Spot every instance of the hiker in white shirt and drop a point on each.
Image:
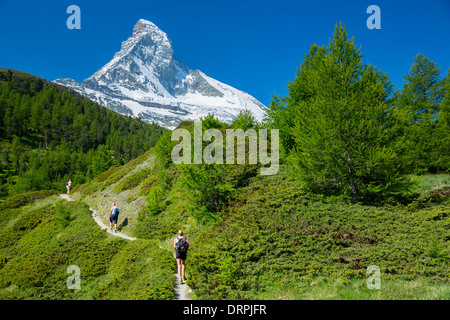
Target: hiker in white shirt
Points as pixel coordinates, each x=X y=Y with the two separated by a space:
x=68 y=185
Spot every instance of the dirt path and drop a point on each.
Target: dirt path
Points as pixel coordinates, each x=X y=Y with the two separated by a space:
x=181 y=290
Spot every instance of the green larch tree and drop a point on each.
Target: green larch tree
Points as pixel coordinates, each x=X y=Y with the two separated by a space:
x=343 y=140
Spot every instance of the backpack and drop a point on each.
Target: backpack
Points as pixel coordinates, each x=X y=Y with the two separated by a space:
x=115 y=212
x=182 y=245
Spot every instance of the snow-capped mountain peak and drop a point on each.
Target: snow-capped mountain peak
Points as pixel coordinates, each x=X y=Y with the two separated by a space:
x=145 y=26
x=144 y=79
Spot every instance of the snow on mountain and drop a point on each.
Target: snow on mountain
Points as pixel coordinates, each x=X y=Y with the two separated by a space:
x=144 y=79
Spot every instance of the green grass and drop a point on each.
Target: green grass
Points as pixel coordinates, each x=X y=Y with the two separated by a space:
x=343 y=289
x=429 y=182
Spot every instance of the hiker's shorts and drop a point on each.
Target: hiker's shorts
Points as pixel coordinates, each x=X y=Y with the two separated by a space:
x=181 y=255
x=113 y=219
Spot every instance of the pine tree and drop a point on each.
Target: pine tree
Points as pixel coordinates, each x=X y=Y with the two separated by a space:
x=245 y=120
x=282 y=110
x=341 y=126
x=443 y=129
x=445 y=106
x=102 y=160
x=422 y=91
x=421 y=97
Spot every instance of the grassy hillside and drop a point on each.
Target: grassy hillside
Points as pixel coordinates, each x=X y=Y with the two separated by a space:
x=274 y=241
x=124 y=185
x=42 y=238
x=270 y=239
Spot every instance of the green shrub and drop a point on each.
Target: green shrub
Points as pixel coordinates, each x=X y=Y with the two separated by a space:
x=23 y=199
x=63 y=216
x=124 y=170
x=140 y=270
x=147 y=185
x=105 y=175
x=132 y=181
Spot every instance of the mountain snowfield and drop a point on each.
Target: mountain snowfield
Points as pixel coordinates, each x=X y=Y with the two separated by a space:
x=144 y=79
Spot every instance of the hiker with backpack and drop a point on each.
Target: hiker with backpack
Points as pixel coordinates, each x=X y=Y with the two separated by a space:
x=181 y=245
x=113 y=217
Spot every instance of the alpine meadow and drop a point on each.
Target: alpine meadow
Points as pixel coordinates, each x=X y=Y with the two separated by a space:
x=363 y=180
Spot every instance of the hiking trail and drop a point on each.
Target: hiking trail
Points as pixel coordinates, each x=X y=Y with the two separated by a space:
x=181 y=290
x=99 y=221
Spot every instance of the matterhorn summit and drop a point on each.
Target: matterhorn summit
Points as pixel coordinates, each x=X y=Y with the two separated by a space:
x=144 y=79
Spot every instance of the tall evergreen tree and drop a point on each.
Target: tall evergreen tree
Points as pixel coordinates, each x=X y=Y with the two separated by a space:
x=282 y=110
x=443 y=129
x=423 y=89
x=244 y=120
x=421 y=97
x=343 y=142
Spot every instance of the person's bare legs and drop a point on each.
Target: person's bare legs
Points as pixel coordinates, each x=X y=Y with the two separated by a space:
x=183 y=270
x=179 y=270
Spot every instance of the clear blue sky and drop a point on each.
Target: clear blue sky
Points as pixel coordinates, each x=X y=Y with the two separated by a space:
x=253 y=45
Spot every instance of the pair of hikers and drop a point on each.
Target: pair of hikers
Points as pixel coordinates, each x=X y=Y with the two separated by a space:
x=181 y=245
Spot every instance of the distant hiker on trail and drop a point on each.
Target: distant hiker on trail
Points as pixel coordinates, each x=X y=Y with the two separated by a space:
x=68 y=185
x=113 y=217
x=181 y=245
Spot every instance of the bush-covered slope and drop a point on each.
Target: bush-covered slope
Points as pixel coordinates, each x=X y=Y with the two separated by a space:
x=274 y=241
x=41 y=240
x=270 y=239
